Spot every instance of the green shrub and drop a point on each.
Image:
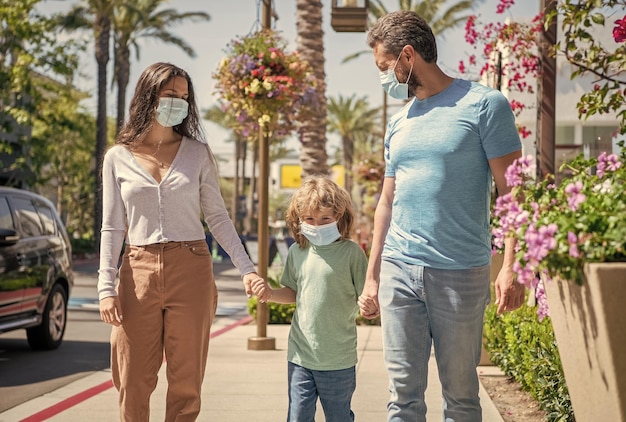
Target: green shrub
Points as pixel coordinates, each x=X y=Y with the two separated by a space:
x=278 y=313
x=526 y=350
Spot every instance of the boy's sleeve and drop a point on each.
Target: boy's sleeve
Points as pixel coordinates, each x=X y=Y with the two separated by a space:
x=359 y=268
x=288 y=278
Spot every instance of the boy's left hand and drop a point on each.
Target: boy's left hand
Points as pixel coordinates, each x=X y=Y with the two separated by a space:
x=261 y=289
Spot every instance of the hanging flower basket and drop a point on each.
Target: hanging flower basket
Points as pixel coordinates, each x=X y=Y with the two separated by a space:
x=263 y=85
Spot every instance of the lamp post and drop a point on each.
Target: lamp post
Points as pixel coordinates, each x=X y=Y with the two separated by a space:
x=261 y=341
x=349 y=15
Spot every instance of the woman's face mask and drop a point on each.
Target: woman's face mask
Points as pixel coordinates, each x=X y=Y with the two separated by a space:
x=320 y=235
x=390 y=83
x=171 y=111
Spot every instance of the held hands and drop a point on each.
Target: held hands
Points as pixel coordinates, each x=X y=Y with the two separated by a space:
x=262 y=290
x=253 y=283
x=111 y=310
x=368 y=301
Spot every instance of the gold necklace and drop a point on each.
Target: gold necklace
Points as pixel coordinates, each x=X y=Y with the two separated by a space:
x=160 y=163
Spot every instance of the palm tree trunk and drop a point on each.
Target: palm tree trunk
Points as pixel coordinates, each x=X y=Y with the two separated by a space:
x=312 y=133
x=102 y=29
x=348 y=155
x=123 y=75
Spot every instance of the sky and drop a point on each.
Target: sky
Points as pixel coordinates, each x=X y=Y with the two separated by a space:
x=233 y=18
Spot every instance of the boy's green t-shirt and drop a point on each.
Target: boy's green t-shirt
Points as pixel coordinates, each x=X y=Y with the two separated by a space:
x=328 y=281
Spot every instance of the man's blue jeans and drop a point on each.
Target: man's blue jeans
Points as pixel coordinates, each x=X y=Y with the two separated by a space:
x=421 y=307
x=334 y=388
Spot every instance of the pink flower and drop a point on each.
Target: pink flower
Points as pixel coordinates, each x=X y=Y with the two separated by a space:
x=503 y=5
x=572 y=239
x=574 y=197
x=619 y=32
x=607 y=162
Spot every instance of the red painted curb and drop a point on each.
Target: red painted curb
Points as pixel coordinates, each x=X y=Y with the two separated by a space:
x=87 y=394
x=67 y=403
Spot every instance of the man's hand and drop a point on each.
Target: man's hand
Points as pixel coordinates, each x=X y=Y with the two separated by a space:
x=111 y=310
x=509 y=293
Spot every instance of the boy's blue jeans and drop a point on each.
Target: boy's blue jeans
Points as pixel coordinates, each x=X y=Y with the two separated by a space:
x=334 y=388
x=421 y=307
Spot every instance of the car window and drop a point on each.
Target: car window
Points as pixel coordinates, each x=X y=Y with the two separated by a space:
x=47 y=219
x=6 y=219
x=28 y=217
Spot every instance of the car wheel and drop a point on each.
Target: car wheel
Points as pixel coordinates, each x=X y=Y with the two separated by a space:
x=49 y=334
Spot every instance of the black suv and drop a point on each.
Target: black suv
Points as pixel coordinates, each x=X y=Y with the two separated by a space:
x=35 y=268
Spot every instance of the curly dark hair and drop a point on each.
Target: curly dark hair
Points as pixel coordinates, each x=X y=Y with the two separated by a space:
x=404 y=27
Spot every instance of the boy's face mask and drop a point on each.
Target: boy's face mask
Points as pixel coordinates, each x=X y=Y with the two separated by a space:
x=320 y=235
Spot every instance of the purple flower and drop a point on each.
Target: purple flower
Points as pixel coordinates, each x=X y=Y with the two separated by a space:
x=572 y=239
x=540 y=242
x=607 y=162
x=542 y=302
x=519 y=170
x=574 y=195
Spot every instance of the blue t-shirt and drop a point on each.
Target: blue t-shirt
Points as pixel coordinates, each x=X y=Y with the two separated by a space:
x=437 y=149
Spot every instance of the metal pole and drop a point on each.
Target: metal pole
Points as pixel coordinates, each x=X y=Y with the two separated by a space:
x=261 y=341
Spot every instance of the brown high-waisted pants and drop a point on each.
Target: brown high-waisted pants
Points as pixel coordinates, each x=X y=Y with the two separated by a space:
x=168 y=296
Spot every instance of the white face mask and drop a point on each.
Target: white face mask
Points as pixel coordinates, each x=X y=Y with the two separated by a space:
x=390 y=83
x=320 y=235
x=171 y=111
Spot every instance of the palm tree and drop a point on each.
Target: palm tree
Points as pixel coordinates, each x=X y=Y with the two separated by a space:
x=310 y=44
x=140 y=19
x=354 y=121
x=96 y=15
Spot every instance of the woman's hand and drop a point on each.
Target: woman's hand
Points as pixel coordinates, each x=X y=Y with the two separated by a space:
x=111 y=310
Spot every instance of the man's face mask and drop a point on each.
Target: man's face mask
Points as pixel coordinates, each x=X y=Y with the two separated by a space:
x=171 y=111
x=390 y=83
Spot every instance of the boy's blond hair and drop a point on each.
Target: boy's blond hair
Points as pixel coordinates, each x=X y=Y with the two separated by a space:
x=319 y=193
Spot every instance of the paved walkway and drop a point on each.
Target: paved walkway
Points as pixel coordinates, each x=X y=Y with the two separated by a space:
x=240 y=384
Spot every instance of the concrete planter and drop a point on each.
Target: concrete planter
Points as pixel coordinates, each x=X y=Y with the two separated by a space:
x=589 y=324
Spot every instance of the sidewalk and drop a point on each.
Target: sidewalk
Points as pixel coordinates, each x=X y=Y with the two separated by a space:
x=240 y=384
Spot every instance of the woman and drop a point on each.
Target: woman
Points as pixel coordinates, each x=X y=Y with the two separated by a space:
x=158 y=180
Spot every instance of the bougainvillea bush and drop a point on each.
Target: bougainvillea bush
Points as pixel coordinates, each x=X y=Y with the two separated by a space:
x=263 y=85
x=578 y=23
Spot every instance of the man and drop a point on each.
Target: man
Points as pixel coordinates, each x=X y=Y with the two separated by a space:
x=431 y=249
